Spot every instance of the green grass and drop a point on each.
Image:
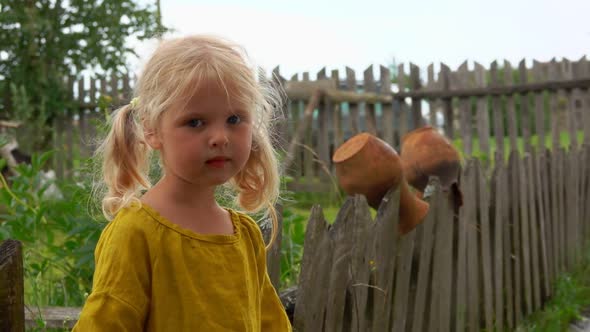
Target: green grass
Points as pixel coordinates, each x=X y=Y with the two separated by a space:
x=572 y=295
x=564 y=142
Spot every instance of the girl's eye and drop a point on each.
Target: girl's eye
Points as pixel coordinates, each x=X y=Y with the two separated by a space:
x=234 y=119
x=195 y=123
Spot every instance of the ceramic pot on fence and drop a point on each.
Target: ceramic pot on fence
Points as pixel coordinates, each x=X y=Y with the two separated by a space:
x=425 y=152
x=367 y=165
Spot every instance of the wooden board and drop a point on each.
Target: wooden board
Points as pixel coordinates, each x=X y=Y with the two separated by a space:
x=423 y=290
x=514 y=175
x=311 y=298
x=498 y=252
x=525 y=242
x=461 y=309
x=473 y=254
x=486 y=256
x=534 y=230
x=12 y=303
x=386 y=243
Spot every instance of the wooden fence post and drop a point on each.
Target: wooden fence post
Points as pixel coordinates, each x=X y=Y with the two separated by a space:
x=12 y=305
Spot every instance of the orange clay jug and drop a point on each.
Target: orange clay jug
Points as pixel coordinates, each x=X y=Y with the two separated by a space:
x=367 y=165
x=425 y=152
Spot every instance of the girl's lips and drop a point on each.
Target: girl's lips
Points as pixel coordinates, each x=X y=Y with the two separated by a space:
x=217 y=162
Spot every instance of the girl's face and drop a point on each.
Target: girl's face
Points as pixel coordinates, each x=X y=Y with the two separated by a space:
x=206 y=142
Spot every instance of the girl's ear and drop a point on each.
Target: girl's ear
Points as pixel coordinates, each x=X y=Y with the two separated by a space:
x=152 y=139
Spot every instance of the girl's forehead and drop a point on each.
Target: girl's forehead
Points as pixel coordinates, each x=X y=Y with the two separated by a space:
x=212 y=98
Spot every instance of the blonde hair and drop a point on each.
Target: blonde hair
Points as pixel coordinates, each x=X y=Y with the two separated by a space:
x=174 y=73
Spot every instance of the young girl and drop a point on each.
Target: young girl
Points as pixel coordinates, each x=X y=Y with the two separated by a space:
x=172 y=259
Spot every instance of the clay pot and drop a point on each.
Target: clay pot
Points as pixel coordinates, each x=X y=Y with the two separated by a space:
x=425 y=152
x=367 y=165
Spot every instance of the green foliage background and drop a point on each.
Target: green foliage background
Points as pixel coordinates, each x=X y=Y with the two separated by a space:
x=43 y=42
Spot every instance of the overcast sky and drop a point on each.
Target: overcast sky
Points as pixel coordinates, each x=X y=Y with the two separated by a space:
x=305 y=35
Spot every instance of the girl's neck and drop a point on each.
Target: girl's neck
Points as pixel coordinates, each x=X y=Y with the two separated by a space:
x=183 y=194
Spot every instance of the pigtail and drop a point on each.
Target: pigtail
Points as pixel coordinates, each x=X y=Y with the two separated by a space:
x=258 y=182
x=125 y=162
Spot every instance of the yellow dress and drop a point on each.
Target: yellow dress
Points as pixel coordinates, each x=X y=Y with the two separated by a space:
x=152 y=275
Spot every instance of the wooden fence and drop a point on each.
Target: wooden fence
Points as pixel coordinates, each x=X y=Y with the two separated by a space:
x=479 y=105
x=486 y=267
x=12 y=313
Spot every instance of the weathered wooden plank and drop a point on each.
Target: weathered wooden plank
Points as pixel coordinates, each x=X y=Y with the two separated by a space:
x=483 y=125
x=586 y=191
x=465 y=117
x=127 y=92
x=307 y=148
x=362 y=265
x=53 y=317
x=114 y=88
x=387 y=108
x=569 y=124
x=539 y=110
x=486 y=261
x=80 y=90
x=505 y=197
x=83 y=138
x=311 y=298
x=583 y=71
x=555 y=218
x=545 y=229
x=386 y=243
x=534 y=229
x=337 y=116
x=420 y=321
x=474 y=293
x=579 y=209
x=524 y=108
x=92 y=92
x=12 y=297
x=574 y=203
x=514 y=175
x=325 y=108
x=555 y=106
x=352 y=107
x=92 y=118
x=295 y=108
x=461 y=306
x=415 y=85
x=370 y=86
x=400 y=105
x=497 y=111
x=561 y=213
x=586 y=117
x=432 y=103
x=510 y=110
x=498 y=252
x=340 y=234
x=447 y=104
x=570 y=203
x=402 y=282
x=445 y=231
x=525 y=238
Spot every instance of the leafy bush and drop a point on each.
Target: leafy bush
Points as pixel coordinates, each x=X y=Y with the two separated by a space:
x=58 y=234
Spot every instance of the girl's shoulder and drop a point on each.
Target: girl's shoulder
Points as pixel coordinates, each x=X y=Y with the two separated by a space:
x=247 y=224
x=133 y=219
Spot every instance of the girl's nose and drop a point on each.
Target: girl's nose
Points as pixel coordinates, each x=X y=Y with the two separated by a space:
x=218 y=138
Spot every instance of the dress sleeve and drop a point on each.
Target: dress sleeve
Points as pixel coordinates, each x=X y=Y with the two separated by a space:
x=122 y=280
x=274 y=317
